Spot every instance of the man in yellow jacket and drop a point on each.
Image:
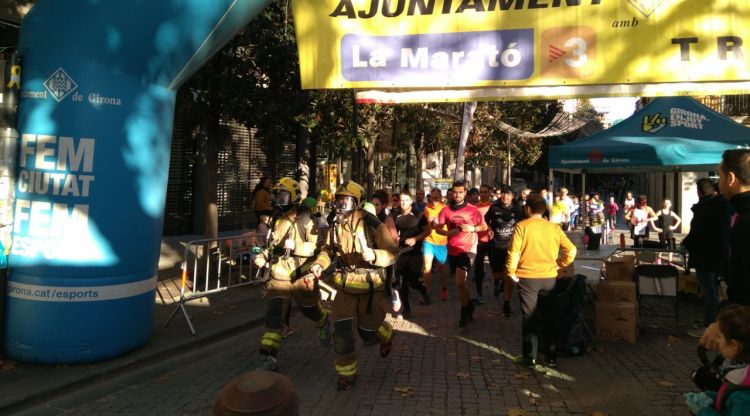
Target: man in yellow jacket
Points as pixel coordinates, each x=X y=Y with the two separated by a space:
x=533 y=262
x=363 y=247
x=289 y=255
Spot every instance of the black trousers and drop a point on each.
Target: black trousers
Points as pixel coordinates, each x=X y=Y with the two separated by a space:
x=539 y=317
x=408 y=275
x=483 y=250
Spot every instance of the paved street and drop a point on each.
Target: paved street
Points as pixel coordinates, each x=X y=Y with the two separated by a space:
x=444 y=371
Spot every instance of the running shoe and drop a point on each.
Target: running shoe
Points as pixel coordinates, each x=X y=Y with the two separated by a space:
x=396 y=302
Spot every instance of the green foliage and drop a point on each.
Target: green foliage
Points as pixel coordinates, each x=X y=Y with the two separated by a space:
x=488 y=142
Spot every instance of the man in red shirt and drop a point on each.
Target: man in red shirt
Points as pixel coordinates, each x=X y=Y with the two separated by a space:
x=463 y=222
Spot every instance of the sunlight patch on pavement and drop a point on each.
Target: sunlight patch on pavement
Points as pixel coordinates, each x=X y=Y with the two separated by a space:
x=540 y=368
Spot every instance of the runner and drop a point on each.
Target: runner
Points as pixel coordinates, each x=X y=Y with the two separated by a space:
x=434 y=247
x=464 y=222
x=502 y=218
x=483 y=246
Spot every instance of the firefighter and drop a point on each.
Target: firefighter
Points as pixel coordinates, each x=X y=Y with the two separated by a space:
x=289 y=254
x=362 y=247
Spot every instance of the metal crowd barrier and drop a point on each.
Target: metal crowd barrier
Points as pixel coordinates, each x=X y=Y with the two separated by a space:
x=214 y=265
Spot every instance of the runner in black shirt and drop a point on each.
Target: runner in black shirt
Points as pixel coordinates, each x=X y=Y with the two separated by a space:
x=412 y=229
x=501 y=219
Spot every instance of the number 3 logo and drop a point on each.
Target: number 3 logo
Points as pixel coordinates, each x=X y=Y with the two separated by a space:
x=579 y=52
x=568 y=52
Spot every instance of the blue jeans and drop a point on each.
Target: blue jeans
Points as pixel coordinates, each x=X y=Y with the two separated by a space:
x=710 y=293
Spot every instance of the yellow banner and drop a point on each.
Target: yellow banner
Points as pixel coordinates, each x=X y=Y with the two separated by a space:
x=612 y=47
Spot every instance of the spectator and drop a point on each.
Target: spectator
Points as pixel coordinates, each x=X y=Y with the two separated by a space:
x=629 y=202
x=483 y=245
x=502 y=218
x=435 y=246
x=734 y=183
x=261 y=201
x=574 y=213
x=610 y=211
x=707 y=245
x=667 y=221
x=639 y=217
x=595 y=220
x=463 y=222
x=559 y=213
x=733 y=397
x=533 y=263
x=565 y=198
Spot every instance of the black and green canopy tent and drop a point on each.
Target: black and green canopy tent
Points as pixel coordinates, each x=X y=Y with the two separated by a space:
x=674 y=134
x=668 y=134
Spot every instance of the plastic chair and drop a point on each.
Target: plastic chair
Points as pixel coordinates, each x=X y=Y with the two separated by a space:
x=658 y=281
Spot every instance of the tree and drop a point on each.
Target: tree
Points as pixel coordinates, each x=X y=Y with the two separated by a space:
x=488 y=141
x=253 y=80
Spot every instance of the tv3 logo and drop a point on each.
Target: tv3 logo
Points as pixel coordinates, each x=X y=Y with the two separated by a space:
x=568 y=52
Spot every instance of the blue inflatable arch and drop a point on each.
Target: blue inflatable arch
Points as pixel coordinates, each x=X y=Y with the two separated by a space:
x=95 y=125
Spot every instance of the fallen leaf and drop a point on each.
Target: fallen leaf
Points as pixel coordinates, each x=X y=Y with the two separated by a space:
x=164 y=377
x=597 y=414
x=523 y=376
x=475 y=358
x=551 y=387
x=518 y=412
x=531 y=394
x=7 y=365
x=404 y=391
x=666 y=384
x=672 y=340
x=396 y=370
x=463 y=376
x=492 y=386
x=532 y=401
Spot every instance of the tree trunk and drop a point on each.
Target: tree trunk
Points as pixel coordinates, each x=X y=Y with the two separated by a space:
x=371 y=168
x=419 y=166
x=303 y=159
x=205 y=212
x=313 y=165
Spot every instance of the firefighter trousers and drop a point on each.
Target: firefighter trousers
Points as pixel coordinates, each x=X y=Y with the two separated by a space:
x=305 y=294
x=369 y=312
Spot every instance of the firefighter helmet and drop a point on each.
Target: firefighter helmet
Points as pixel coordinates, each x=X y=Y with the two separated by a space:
x=287 y=192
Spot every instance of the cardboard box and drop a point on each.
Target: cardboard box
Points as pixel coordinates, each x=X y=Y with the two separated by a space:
x=620 y=267
x=615 y=290
x=617 y=321
x=617 y=331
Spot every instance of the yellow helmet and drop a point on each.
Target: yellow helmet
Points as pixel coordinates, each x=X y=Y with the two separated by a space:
x=352 y=189
x=288 y=185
